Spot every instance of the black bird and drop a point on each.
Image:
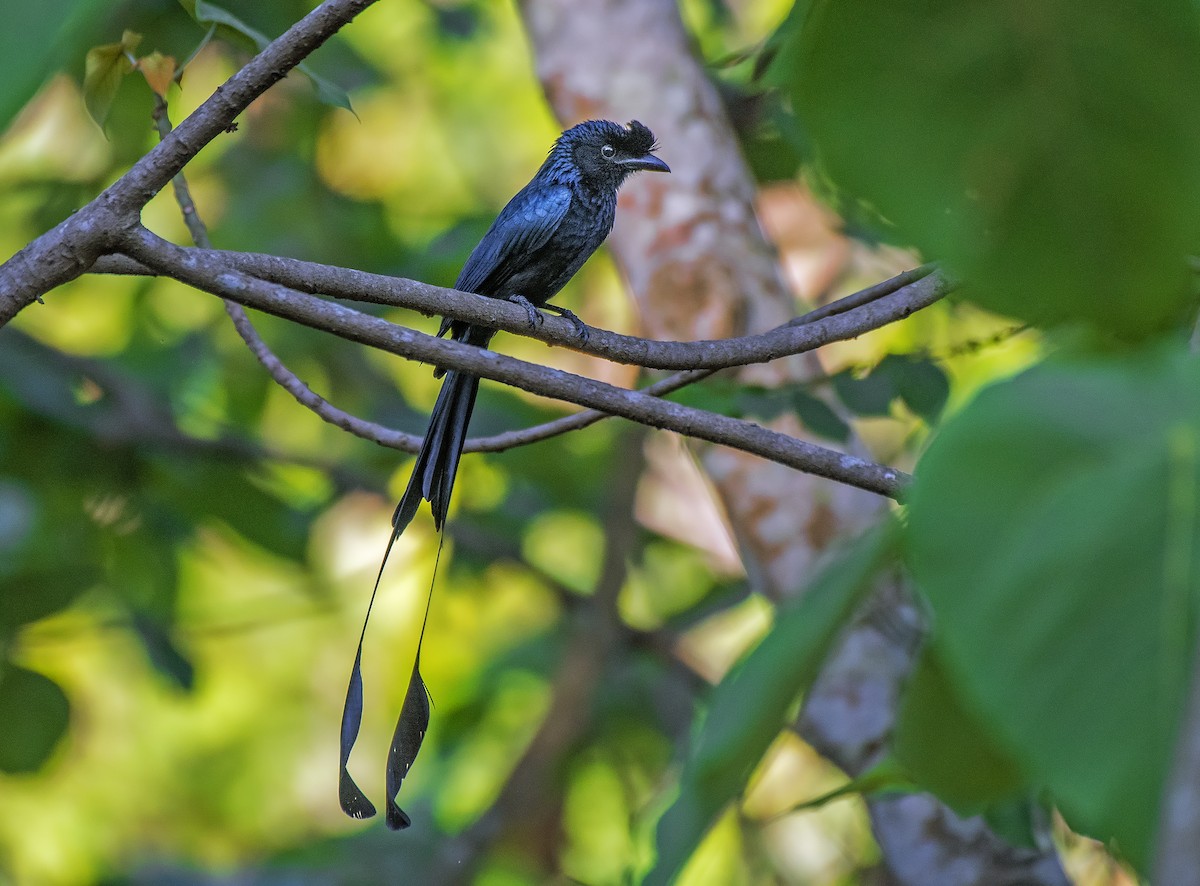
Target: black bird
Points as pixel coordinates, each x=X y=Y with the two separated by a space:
x=536 y=244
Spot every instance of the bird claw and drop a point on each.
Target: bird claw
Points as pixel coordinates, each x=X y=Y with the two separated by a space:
x=582 y=332
x=535 y=316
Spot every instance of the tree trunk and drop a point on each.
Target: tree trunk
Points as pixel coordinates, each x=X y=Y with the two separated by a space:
x=699 y=266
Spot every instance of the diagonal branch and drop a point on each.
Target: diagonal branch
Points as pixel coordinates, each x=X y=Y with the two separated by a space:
x=152 y=172
x=69 y=249
x=187 y=266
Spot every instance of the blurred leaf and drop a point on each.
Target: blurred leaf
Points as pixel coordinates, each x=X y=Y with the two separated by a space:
x=886 y=776
x=106 y=67
x=1054 y=529
x=458 y=22
x=159 y=71
x=35 y=40
x=1019 y=821
x=203 y=490
x=921 y=384
x=718 y=395
x=765 y=404
x=870 y=395
x=1048 y=155
x=750 y=706
x=229 y=24
x=33 y=717
x=775 y=63
x=819 y=417
x=163 y=653
x=944 y=748
x=36 y=591
x=37 y=578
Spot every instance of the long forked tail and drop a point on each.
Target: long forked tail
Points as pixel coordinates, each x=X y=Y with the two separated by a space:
x=437 y=462
x=432 y=480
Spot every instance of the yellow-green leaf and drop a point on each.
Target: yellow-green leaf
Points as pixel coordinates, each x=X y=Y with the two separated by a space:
x=104 y=69
x=159 y=71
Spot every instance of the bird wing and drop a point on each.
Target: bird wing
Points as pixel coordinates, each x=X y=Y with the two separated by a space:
x=521 y=228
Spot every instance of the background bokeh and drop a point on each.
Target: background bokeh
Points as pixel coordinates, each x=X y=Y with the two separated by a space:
x=186 y=553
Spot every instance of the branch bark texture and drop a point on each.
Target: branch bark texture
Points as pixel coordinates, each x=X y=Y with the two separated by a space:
x=187 y=266
x=70 y=249
x=788 y=338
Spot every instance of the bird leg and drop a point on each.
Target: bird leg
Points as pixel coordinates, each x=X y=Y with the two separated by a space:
x=535 y=316
x=581 y=330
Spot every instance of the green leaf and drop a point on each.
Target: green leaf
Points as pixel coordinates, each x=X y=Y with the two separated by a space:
x=920 y=383
x=228 y=25
x=36 y=39
x=1054 y=530
x=765 y=404
x=944 y=748
x=1045 y=152
x=870 y=395
x=200 y=492
x=750 y=706
x=886 y=776
x=1020 y=821
x=775 y=65
x=719 y=395
x=162 y=651
x=33 y=717
x=819 y=417
x=105 y=68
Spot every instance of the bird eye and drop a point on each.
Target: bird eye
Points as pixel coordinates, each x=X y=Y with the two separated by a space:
x=607 y=152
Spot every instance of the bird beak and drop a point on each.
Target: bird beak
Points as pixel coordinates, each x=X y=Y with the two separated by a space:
x=648 y=162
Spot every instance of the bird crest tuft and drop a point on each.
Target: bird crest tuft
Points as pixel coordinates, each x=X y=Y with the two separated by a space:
x=635 y=137
x=638 y=138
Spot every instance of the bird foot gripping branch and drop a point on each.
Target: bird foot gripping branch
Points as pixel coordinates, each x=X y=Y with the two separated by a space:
x=535 y=245
x=535 y=316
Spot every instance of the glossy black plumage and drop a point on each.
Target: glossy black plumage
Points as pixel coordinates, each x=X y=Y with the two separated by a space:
x=537 y=243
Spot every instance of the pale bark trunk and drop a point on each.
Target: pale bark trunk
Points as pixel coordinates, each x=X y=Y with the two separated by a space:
x=699 y=266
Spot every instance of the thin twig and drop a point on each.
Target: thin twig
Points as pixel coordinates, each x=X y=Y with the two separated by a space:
x=679 y=380
x=276 y=368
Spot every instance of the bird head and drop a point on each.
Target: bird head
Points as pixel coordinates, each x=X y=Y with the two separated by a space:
x=605 y=153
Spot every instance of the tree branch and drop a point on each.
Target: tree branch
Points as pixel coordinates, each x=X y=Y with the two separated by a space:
x=787 y=340
x=69 y=249
x=190 y=267
x=279 y=270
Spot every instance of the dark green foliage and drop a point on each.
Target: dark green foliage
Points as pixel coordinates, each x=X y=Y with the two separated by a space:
x=1046 y=154
x=33 y=717
x=38 y=38
x=942 y=747
x=750 y=706
x=1053 y=527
